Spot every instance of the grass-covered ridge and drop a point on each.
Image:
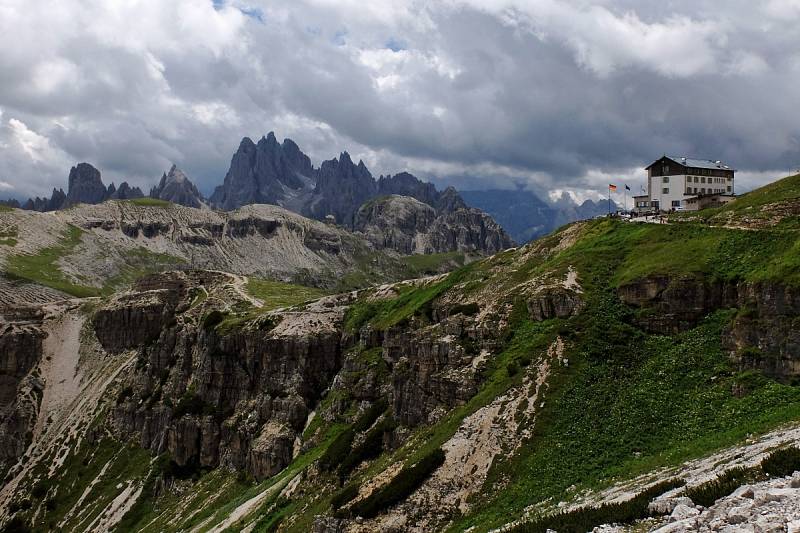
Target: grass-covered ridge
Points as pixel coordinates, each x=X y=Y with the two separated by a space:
x=275 y=294
x=42 y=267
x=149 y=202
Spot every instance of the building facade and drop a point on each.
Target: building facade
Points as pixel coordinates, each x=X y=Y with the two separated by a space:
x=671 y=181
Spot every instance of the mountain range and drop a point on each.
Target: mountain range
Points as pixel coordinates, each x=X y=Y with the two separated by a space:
x=525 y=216
x=271 y=172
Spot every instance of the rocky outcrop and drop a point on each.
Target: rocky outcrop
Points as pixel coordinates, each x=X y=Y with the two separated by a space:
x=238 y=397
x=763 y=335
x=465 y=230
x=409 y=226
x=554 y=302
x=124 y=192
x=56 y=201
x=394 y=222
x=85 y=187
x=21 y=339
x=177 y=188
x=671 y=304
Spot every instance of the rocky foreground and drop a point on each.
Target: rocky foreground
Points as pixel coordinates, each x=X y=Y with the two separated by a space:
x=767 y=507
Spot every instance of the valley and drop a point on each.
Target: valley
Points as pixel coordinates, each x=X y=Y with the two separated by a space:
x=167 y=368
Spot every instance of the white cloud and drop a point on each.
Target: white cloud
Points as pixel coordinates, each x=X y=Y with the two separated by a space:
x=477 y=93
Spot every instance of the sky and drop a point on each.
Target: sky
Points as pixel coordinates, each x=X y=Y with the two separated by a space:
x=549 y=95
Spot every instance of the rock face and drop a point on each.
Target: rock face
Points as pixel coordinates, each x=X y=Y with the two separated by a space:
x=341 y=188
x=764 y=335
x=408 y=226
x=239 y=397
x=21 y=340
x=177 y=188
x=85 y=186
x=263 y=173
x=394 y=222
x=212 y=393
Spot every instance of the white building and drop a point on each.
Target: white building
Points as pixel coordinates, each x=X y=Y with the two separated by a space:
x=671 y=181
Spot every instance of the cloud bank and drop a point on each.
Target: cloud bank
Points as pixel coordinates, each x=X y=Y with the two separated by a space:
x=546 y=94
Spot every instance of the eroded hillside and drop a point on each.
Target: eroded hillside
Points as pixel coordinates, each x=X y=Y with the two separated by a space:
x=605 y=362
x=96 y=249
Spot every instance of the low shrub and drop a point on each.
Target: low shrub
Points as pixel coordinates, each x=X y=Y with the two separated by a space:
x=16 y=525
x=783 y=462
x=344 y=496
x=400 y=487
x=370 y=415
x=337 y=450
x=587 y=518
x=212 y=319
x=124 y=394
x=370 y=448
x=192 y=404
x=709 y=492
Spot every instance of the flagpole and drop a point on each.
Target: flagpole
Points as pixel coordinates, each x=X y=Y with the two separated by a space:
x=609 y=199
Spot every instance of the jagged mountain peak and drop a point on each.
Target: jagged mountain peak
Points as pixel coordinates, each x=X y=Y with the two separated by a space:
x=176 y=187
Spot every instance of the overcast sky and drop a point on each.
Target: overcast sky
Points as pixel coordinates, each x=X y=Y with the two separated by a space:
x=551 y=95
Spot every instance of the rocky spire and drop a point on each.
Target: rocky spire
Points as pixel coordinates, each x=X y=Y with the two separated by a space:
x=176 y=187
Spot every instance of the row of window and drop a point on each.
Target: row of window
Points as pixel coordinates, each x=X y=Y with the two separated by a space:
x=698 y=179
x=698 y=171
x=703 y=190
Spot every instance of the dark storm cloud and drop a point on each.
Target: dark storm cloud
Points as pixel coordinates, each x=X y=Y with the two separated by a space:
x=552 y=95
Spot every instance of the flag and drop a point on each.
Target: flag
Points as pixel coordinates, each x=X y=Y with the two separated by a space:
x=612 y=187
x=627 y=188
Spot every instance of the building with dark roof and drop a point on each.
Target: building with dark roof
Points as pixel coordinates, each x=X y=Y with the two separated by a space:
x=672 y=181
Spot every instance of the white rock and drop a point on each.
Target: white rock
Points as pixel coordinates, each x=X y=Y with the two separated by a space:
x=793 y=526
x=745 y=491
x=795 y=481
x=682 y=512
x=774 y=495
x=667 y=505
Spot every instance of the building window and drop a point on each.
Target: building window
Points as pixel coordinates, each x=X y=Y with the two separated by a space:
x=703 y=179
x=729 y=188
x=696 y=179
x=665 y=169
x=665 y=179
x=676 y=203
x=665 y=190
x=703 y=190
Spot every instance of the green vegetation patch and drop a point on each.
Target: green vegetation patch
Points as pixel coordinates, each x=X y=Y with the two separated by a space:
x=101 y=470
x=587 y=518
x=422 y=264
x=139 y=262
x=150 y=202
x=8 y=236
x=277 y=294
x=628 y=401
x=42 y=267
